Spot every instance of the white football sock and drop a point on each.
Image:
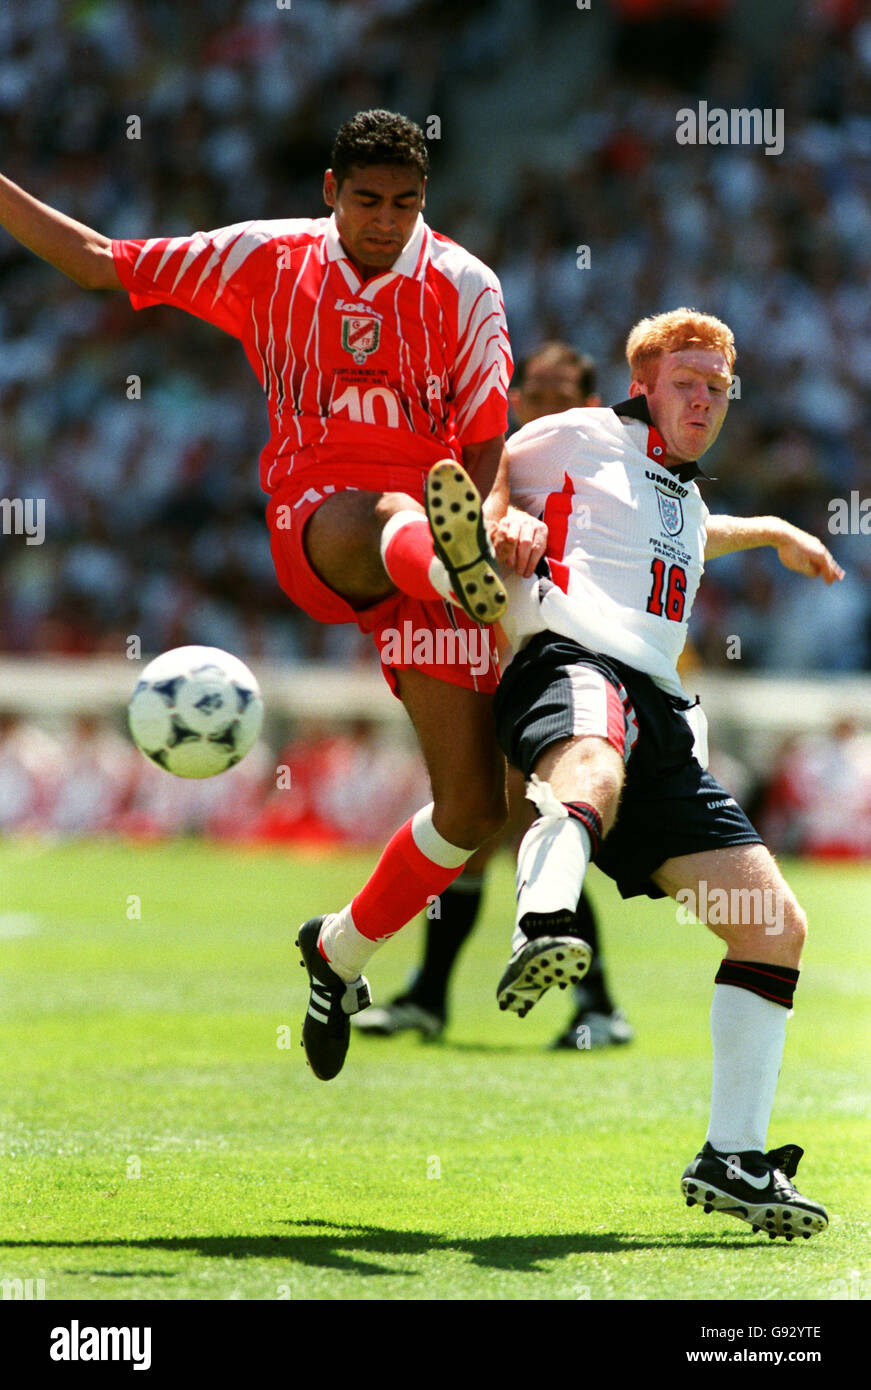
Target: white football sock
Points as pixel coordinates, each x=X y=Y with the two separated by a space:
x=552 y=859
x=346 y=949
x=748 y=1034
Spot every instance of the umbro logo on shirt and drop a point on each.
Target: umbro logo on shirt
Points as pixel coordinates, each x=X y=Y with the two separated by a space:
x=669 y=483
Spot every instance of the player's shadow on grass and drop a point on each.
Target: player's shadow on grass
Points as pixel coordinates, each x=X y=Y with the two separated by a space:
x=355 y=1249
x=497 y=1049
x=443 y=1044
x=127 y=1273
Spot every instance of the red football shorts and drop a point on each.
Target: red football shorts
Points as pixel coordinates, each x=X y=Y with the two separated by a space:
x=434 y=637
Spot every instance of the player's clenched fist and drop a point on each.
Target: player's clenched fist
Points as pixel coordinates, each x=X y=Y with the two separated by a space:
x=519 y=541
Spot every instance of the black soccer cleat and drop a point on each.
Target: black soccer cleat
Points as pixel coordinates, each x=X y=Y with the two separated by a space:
x=552 y=957
x=757 y=1188
x=326 y=1029
x=453 y=509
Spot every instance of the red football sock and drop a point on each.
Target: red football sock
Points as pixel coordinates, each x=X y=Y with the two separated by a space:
x=409 y=558
x=405 y=880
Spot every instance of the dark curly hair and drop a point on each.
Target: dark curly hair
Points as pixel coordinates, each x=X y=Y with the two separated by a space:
x=378 y=137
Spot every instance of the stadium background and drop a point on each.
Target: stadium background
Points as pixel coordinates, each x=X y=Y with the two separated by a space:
x=556 y=131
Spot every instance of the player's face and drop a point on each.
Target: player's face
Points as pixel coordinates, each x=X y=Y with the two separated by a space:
x=548 y=391
x=376 y=209
x=689 y=401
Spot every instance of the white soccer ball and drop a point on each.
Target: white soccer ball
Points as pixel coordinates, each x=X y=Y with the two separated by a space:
x=196 y=711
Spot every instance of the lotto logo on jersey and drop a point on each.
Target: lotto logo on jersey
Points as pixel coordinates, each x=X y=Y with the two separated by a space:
x=361 y=335
x=671 y=513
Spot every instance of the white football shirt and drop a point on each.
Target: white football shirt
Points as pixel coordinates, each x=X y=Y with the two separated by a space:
x=626 y=538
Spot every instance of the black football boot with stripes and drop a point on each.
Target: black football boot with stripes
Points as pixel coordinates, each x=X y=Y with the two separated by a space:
x=757 y=1188
x=459 y=537
x=551 y=955
x=326 y=1029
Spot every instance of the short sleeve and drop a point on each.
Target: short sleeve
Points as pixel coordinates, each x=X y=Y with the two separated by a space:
x=483 y=366
x=540 y=453
x=210 y=274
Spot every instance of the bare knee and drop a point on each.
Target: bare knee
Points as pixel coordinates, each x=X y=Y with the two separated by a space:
x=777 y=933
x=389 y=503
x=794 y=921
x=588 y=769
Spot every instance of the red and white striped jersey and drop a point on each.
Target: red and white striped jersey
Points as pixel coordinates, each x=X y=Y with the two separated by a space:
x=401 y=370
x=626 y=538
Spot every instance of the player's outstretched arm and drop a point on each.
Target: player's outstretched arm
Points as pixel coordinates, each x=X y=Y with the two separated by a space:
x=796 y=549
x=80 y=252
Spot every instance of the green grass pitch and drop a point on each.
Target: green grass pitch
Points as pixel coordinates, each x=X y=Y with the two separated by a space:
x=161 y=1140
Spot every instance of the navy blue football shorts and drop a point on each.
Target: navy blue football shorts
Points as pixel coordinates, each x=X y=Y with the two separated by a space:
x=555 y=689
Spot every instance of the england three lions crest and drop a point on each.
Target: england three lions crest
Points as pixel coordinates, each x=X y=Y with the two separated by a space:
x=361 y=335
x=671 y=513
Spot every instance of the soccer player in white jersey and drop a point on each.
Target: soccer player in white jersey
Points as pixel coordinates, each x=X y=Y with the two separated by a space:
x=382 y=348
x=592 y=711
x=554 y=377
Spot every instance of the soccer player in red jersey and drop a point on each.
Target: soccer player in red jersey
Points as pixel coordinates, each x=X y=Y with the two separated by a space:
x=383 y=352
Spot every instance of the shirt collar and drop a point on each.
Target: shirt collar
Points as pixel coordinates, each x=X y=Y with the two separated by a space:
x=406 y=263
x=636 y=408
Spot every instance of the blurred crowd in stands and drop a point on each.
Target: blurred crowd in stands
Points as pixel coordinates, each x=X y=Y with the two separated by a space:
x=142 y=432
x=87 y=779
